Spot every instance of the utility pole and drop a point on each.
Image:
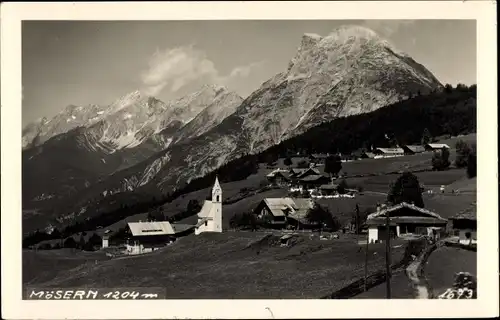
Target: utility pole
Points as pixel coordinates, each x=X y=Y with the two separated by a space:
x=366 y=259
x=388 y=255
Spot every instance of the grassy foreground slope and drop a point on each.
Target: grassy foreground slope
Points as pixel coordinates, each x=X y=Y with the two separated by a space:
x=227 y=265
x=444 y=263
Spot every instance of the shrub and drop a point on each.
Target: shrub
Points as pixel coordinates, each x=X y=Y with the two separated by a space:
x=463 y=152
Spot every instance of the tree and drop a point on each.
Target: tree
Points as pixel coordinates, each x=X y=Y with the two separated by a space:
x=244 y=220
x=472 y=165
x=81 y=242
x=358 y=219
x=407 y=189
x=95 y=240
x=271 y=159
x=333 y=165
x=463 y=152
x=440 y=159
x=322 y=217
x=156 y=215
x=426 y=137
x=70 y=243
x=341 y=189
x=288 y=162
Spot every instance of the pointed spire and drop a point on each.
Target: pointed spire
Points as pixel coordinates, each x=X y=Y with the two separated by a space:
x=216 y=184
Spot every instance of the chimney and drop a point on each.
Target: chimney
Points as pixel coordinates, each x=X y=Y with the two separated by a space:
x=378 y=207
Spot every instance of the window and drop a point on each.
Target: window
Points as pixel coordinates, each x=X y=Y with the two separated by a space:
x=217 y=198
x=206 y=223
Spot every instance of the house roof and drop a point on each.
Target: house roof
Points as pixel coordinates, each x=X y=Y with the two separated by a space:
x=319 y=156
x=205 y=209
x=179 y=227
x=296 y=207
x=312 y=171
x=329 y=186
x=276 y=171
x=381 y=221
x=416 y=148
x=153 y=228
x=437 y=145
x=388 y=210
x=296 y=171
x=313 y=177
x=390 y=150
x=467 y=214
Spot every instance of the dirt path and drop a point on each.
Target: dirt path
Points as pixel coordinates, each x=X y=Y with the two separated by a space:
x=421 y=289
x=416 y=275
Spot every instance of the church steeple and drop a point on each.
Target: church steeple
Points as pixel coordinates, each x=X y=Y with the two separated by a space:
x=217 y=191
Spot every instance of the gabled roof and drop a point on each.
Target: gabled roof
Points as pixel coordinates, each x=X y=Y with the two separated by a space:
x=388 y=210
x=313 y=177
x=416 y=148
x=151 y=228
x=312 y=171
x=390 y=150
x=319 y=156
x=205 y=209
x=296 y=171
x=296 y=207
x=276 y=171
x=329 y=186
x=437 y=145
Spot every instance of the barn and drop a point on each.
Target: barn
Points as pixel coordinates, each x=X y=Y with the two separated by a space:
x=436 y=146
x=388 y=152
x=411 y=150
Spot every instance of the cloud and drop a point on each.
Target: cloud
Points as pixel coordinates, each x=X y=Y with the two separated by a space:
x=175 y=68
x=388 y=28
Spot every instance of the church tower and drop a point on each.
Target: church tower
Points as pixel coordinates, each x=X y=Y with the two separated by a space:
x=217 y=206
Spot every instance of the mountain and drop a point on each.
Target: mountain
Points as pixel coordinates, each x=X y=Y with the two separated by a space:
x=348 y=72
x=82 y=145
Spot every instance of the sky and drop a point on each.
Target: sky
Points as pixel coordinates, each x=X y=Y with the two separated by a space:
x=96 y=62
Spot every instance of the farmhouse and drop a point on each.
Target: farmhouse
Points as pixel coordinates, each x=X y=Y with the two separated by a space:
x=436 y=146
x=313 y=181
x=328 y=189
x=210 y=215
x=318 y=158
x=465 y=224
x=281 y=212
x=404 y=219
x=410 y=150
x=279 y=177
x=388 y=152
x=147 y=236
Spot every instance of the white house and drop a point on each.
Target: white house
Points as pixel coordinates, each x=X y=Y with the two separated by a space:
x=404 y=219
x=210 y=216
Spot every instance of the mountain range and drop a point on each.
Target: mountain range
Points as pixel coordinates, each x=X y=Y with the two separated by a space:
x=140 y=142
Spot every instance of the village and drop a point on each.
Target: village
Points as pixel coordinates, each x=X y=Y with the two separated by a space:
x=321 y=201
x=292 y=213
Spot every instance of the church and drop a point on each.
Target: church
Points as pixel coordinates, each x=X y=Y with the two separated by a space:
x=210 y=215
